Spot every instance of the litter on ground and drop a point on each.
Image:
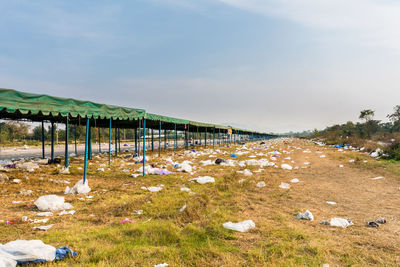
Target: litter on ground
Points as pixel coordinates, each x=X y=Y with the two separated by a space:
x=243 y=226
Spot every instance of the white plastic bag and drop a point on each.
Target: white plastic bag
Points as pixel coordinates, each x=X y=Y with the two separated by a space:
x=286 y=167
x=26 y=250
x=243 y=226
x=79 y=188
x=203 y=179
x=306 y=216
x=52 y=203
x=340 y=222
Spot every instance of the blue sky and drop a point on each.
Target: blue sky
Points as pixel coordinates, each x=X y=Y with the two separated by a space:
x=263 y=64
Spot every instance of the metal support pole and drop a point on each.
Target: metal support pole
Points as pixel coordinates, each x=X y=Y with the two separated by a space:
x=76 y=147
x=213 y=137
x=144 y=145
x=90 y=143
x=66 y=163
x=116 y=142
x=109 y=143
x=86 y=151
x=119 y=142
x=165 y=139
x=136 y=147
x=175 y=139
x=140 y=121
x=98 y=129
x=52 y=142
x=43 y=156
x=197 y=137
x=205 y=138
x=159 y=140
x=152 y=140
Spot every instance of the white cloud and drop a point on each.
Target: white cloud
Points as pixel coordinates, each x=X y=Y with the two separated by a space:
x=368 y=22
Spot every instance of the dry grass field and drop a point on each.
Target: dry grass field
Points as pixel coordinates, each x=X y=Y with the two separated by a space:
x=195 y=236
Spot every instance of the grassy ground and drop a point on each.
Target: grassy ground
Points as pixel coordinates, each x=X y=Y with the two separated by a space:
x=195 y=237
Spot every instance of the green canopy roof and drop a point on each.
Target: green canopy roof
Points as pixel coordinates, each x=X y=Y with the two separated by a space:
x=12 y=101
x=155 y=117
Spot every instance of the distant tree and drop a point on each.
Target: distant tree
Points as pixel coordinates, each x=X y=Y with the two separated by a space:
x=367 y=115
x=395 y=118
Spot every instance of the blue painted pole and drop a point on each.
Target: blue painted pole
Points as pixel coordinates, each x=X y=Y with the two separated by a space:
x=76 y=147
x=116 y=142
x=197 y=137
x=139 y=137
x=213 y=137
x=152 y=140
x=86 y=151
x=52 y=143
x=144 y=145
x=66 y=163
x=109 y=143
x=98 y=129
x=159 y=140
x=175 y=137
x=43 y=156
x=90 y=143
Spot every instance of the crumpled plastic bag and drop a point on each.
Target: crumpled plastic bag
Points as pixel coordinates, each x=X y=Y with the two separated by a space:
x=306 y=216
x=203 y=179
x=286 y=167
x=79 y=188
x=284 y=186
x=31 y=251
x=243 y=226
x=52 y=203
x=185 y=167
x=340 y=222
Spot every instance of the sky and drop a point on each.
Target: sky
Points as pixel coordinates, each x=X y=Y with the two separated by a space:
x=267 y=65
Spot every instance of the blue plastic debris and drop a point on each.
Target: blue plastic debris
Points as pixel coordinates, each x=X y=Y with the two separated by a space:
x=234 y=156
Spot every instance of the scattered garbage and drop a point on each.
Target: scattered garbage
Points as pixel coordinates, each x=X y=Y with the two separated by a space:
x=31 y=251
x=52 y=203
x=233 y=156
x=185 y=167
x=43 y=227
x=247 y=172
x=305 y=216
x=161 y=265
x=338 y=222
x=294 y=180
x=126 y=220
x=376 y=153
x=16 y=181
x=185 y=189
x=79 y=188
x=203 y=179
x=286 y=167
x=284 y=186
x=64 y=170
x=206 y=162
x=341 y=166
x=138 y=212
x=261 y=184
x=322 y=156
x=183 y=208
x=243 y=226
x=219 y=161
x=331 y=203
x=376 y=223
x=377 y=178
x=153 y=188
x=44 y=214
x=64 y=212
x=25 y=192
